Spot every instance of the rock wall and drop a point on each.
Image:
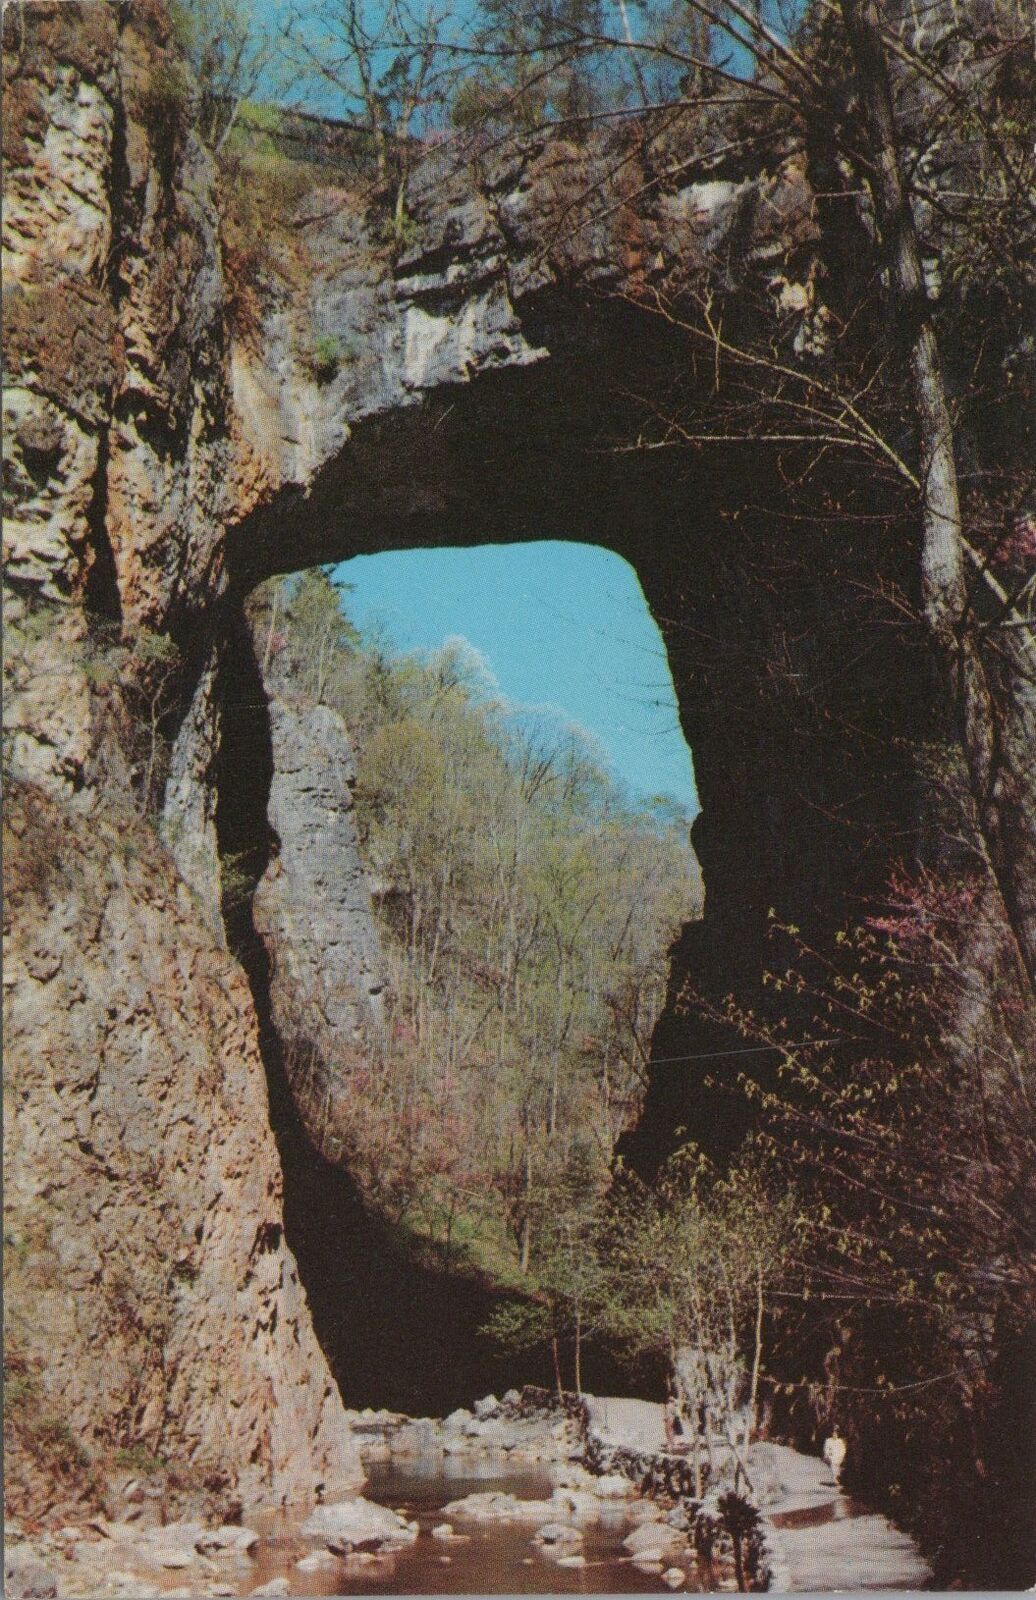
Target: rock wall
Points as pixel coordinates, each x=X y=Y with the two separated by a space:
x=149 y=1292
x=312 y=911
x=151 y=1299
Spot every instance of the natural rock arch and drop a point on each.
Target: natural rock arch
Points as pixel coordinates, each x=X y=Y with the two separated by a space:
x=165 y=457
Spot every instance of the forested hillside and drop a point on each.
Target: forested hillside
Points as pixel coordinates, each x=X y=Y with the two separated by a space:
x=527 y=907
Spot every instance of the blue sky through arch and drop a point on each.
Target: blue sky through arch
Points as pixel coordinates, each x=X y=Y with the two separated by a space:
x=562 y=626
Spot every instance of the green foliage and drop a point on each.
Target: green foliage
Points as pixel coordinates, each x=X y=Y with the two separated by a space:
x=399 y=230
x=689 y=1267
x=519 y=1324
x=36 y=1434
x=527 y=912
x=328 y=354
x=237 y=879
x=138 y=1458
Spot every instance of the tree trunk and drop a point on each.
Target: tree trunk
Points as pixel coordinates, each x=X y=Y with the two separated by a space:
x=757 y=1361
x=526 y=1244
x=995 y=739
x=556 y=1358
x=578 y=1354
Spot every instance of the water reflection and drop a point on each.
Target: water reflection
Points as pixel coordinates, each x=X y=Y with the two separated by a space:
x=494 y=1558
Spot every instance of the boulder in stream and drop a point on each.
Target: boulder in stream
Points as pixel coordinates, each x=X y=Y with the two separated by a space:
x=496 y=1506
x=228 y=1539
x=657 y=1537
x=357 y=1524
x=558 y=1533
x=578 y=1505
x=614 y=1486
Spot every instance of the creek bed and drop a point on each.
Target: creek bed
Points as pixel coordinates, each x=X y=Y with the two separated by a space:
x=496 y=1557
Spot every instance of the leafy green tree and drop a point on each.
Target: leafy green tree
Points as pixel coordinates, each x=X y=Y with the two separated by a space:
x=689 y=1266
x=306 y=636
x=565 y=1274
x=527 y=911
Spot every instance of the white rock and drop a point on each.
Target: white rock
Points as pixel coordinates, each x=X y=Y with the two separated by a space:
x=614 y=1486
x=571 y=1561
x=571 y=1475
x=642 y=1511
x=174 y=1560
x=558 y=1533
x=495 y=1506
x=656 y=1537
x=578 y=1503
x=443 y=1530
x=116 y=1530
x=674 y=1577
x=356 y=1524
x=227 y=1537
x=486 y=1408
x=275 y=1586
x=317 y=1561
x=651 y=1559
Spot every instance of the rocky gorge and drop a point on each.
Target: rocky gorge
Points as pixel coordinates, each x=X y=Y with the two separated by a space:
x=170 y=443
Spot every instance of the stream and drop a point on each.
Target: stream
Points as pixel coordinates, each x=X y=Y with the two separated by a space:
x=493 y=1558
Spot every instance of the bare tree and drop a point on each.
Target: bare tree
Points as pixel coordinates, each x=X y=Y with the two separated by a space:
x=230 y=54
x=388 y=63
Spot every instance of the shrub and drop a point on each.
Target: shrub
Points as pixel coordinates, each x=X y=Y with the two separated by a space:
x=326 y=357
x=259 y=195
x=37 y=1440
x=136 y=674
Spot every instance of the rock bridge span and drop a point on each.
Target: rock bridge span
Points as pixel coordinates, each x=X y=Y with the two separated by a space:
x=518 y=370
x=177 y=432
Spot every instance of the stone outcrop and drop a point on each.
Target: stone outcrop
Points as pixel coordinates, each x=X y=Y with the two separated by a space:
x=151 y=1300
x=312 y=910
x=157 y=1305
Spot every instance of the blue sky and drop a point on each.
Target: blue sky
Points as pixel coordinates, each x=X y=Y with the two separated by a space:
x=317 y=24
x=560 y=625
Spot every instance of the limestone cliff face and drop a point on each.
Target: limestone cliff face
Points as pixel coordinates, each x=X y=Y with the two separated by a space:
x=149 y=1290
x=116 y=383
x=312 y=911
